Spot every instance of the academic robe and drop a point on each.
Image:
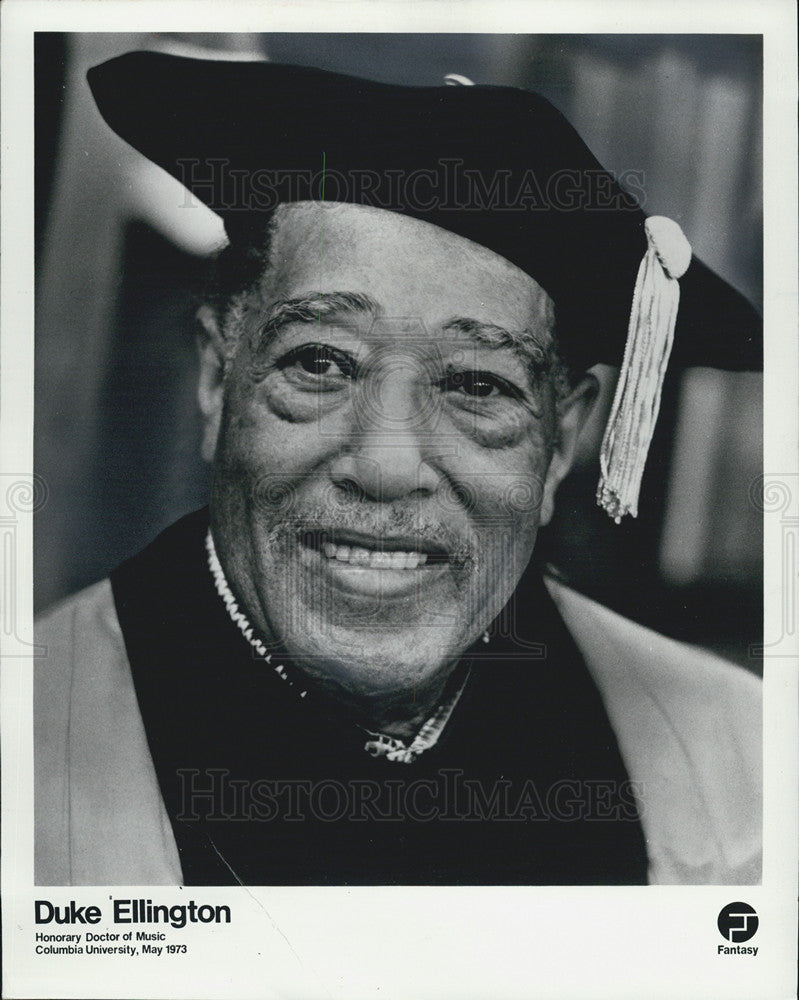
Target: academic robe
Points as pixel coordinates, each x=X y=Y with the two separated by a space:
x=584 y=749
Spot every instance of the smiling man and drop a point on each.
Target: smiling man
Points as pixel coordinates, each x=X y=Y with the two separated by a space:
x=350 y=669
x=367 y=394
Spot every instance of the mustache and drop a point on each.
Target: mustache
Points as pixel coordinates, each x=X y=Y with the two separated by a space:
x=390 y=522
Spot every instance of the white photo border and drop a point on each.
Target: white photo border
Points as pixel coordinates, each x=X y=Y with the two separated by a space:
x=617 y=942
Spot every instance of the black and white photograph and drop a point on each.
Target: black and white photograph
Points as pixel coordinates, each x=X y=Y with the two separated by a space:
x=362 y=659
x=399 y=495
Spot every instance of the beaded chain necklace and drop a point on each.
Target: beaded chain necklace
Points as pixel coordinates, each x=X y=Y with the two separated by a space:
x=379 y=744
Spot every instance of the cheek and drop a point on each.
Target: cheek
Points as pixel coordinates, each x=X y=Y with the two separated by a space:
x=502 y=488
x=506 y=501
x=276 y=397
x=265 y=463
x=497 y=428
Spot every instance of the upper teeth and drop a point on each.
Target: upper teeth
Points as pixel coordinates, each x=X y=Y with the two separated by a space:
x=357 y=556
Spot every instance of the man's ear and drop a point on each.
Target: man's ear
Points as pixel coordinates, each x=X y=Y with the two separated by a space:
x=571 y=414
x=210 y=347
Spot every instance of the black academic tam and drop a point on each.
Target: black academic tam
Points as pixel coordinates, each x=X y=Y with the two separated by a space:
x=497 y=165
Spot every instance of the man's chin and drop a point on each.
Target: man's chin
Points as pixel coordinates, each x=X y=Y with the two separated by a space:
x=366 y=631
x=374 y=663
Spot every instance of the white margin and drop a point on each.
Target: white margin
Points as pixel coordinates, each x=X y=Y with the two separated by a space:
x=543 y=942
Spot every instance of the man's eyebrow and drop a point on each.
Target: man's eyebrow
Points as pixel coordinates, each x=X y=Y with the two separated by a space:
x=535 y=354
x=314 y=308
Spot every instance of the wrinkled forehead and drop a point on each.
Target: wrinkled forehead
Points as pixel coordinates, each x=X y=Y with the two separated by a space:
x=409 y=268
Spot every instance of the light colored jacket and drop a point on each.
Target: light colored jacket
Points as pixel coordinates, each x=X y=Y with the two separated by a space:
x=688 y=724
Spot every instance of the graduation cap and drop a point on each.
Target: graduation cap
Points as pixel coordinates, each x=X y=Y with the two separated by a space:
x=497 y=165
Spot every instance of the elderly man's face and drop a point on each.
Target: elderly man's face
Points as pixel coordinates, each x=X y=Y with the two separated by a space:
x=383 y=445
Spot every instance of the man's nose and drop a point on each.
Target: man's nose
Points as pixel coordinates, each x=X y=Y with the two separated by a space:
x=390 y=451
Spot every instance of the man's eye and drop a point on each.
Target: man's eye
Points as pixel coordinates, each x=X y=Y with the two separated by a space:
x=320 y=361
x=477 y=385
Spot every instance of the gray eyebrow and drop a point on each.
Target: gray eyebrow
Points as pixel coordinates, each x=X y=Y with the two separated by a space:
x=537 y=355
x=314 y=308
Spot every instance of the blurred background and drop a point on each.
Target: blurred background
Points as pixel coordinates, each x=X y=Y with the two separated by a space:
x=120 y=265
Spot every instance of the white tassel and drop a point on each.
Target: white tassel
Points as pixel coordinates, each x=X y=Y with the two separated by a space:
x=650 y=336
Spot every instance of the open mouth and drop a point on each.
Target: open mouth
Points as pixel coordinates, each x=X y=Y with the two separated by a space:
x=400 y=552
